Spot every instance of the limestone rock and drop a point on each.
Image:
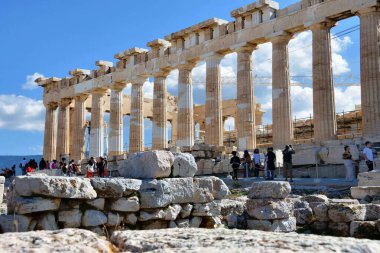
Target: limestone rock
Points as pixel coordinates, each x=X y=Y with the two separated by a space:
x=183 y=223
x=70 y=219
x=93 y=218
x=66 y=240
x=315 y=198
x=269 y=189
x=115 y=187
x=54 y=187
x=364 y=229
x=229 y=206
x=372 y=212
x=152 y=215
x=286 y=225
x=263 y=225
x=184 y=165
x=214 y=184
x=35 y=204
x=130 y=219
x=339 y=228
x=153 y=225
x=208 y=166
x=15 y=223
x=222 y=240
x=126 y=204
x=97 y=203
x=321 y=212
x=186 y=210
x=47 y=222
x=68 y=204
x=114 y=219
x=211 y=222
x=172 y=212
x=319 y=226
x=208 y=209
x=346 y=213
x=268 y=209
x=303 y=215
x=146 y=165
x=195 y=222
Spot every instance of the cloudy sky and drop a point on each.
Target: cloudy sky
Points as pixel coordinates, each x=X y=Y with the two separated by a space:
x=49 y=38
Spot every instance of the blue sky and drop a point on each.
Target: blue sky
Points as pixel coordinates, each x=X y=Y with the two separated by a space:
x=55 y=36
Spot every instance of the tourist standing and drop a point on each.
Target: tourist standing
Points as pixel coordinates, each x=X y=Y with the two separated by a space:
x=22 y=166
x=247 y=163
x=271 y=167
x=42 y=164
x=90 y=169
x=287 y=153
x=101 y=166
x=235 y=162
x=368 y=155
x=257 y=162
x=14 y=170
x=348 y=163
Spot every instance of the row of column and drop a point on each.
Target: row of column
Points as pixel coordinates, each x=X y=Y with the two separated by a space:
x=325 y=127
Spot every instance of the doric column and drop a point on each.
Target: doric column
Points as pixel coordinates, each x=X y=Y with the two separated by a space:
x=325 y=126
x=174 y=124
x=63 y=129
x=159 y=123
x=370 y=70
x=97 y=124
x=281 y=110
x=245 y=121
x=136 y=134
x=79 y=128
x=214 y=121
x=116 y=121
x=185 y=105
x=50 y=135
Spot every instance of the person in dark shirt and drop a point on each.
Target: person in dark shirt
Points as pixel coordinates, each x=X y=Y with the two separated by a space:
x=101 y=166
x=42 y=164
x=271 y=167
x=287 y=153
x=235 y=162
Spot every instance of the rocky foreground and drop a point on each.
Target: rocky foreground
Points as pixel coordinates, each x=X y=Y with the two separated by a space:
x=180 y=240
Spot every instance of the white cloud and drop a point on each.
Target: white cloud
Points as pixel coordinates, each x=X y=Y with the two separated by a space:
x=21 y=113
x=229 y=124
x=30 y=83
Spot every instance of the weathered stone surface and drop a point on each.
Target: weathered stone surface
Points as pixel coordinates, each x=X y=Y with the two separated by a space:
x=115 y=187
x=269 y=189
x=146 y=165
x=286 y=225
x=208 y=209
x=339 y=229
x=151 y=215
x=229 y=206
x=47 y=222
x=66 y=240
x=153 y=225
x=130 y=219
x=184 y=165
x=319 y=226
x=183 y=223
x=97 y=203
x=263 y=225
x=303 y=215
x=114 y=219
x=70 y=219
x=15 y=223
x=68 y=204
x=268 y=209
x=221 y=240
x=55 y=187
x=346 y=213
x=35 y=204
x=299 y=203
x=364 y=229
x=211 y=222
x=126 y=204
x=186 y=210
x=172 y=212
x=321 y=212
x=195 y=222
x=372 y=212
x=315 y=198
x=214 y=184
x=93 y=218
x=344 y=201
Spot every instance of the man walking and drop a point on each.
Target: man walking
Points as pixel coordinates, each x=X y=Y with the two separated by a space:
x=368 y=155
x=287 y=153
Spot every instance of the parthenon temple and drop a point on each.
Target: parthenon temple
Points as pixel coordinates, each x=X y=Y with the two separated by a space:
x=101 y=90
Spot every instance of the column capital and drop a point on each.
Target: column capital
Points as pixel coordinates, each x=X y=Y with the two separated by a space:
x=323 y=25
x=99 y=91
x=81 y=97
x=162 y=74
x=187 y=66
x=139 y=80
x=244 y=47
x=281 y=37
x=51 y=105
x=64 y=102
x=213 y=56
x=118 y=86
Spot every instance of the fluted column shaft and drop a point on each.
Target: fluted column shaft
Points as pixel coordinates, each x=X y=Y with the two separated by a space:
x=50 y=134
x=370 y=71
x=63 y=140
x=79 y=129
x=136 y=134
x=245 y=124
x=185 y=105
x=281 y=101
x=159 y=131
x=214 y=119
x=325 y=126
x=97 y=124
x=116 y=122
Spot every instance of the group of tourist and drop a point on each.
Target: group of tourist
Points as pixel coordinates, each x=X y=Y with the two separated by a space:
x=100 y=167
x=253 y=166
x=352 y=163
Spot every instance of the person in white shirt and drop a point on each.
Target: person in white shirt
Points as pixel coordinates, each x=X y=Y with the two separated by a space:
x=368 y=155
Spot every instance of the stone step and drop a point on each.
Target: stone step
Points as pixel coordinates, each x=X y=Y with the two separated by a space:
x=361 y=191
x=369 y=178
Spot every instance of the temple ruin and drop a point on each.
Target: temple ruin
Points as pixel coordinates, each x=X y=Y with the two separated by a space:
x=209 y=41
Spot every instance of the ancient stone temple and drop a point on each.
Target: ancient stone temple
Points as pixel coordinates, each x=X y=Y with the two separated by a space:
x=101 y=90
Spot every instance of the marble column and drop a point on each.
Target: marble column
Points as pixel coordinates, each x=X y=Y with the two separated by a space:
x=79 y=129
x=325 y=126
x=214 y=120
x=159 y=122
x=282 y=127
x=116 y=121
x=370 y=71
x=63 y=140
x=245 y=121
x=136 y=134
x=50 y=135
x=97 y=124
x=185 y=105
